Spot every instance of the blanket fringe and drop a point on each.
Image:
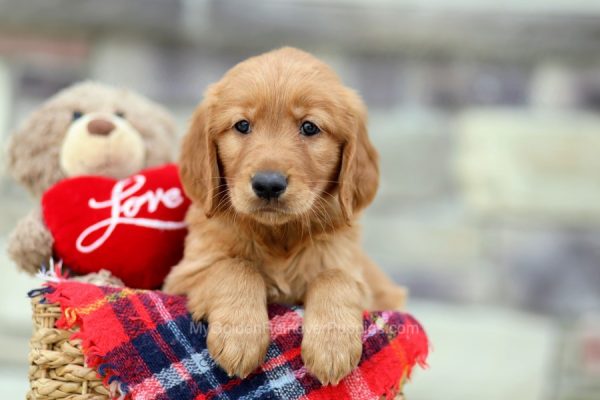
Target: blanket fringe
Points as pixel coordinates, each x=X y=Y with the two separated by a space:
x=410 y=348
x=53 y=273
x=70 y=319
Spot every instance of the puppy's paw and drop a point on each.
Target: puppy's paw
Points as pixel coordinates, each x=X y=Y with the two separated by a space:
x=238 y=345
x=330 y=352
x=197 y=302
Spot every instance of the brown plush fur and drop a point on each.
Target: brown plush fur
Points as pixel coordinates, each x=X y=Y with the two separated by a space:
x=144 y=132
x=30 y=243
x=242 y=251
x=34 y=150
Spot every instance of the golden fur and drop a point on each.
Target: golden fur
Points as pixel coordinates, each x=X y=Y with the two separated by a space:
x=243 y=252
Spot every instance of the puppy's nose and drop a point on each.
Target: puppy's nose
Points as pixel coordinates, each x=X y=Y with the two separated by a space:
x=100 y=127
x=268 y=184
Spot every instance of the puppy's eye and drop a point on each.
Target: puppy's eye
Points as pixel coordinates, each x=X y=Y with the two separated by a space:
x=120 y=114
x=309 y=129
x=77 y=115
x=242 y=126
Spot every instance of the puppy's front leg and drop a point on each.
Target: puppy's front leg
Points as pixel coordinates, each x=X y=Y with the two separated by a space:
x=333 y=326
x=232 y=296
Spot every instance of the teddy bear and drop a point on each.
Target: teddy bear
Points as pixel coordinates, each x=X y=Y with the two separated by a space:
x=86 y=129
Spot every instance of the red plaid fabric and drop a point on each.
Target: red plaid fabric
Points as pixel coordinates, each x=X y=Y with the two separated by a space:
x=146 y=343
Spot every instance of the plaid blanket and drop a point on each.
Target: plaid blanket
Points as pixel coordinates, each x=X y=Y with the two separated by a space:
x=145 y=344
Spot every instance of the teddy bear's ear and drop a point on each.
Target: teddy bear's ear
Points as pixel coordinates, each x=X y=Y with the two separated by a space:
x=156 y=125
x=33 y=150
x=159 y=136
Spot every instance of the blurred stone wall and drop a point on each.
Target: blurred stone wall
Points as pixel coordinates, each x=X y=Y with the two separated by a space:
x=490 y=175
x=487 y=123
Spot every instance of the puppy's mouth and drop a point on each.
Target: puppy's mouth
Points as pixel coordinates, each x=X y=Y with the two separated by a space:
x=263 y=205
x=271 y=213
x=271 y=209
x=268 y=210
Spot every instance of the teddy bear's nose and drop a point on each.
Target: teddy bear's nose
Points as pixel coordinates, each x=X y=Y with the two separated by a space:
x=100 y=127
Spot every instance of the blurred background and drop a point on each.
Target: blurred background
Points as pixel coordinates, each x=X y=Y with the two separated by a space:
x=486 y=115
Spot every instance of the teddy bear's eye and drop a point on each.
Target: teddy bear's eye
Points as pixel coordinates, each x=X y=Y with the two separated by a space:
x=77 y=115
x=120 y=114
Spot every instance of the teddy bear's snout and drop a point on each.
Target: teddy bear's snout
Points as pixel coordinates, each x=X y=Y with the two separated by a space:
x=99 y=143
x=100 y=127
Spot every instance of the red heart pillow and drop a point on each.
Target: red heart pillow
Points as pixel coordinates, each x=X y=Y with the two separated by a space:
x=133 y=227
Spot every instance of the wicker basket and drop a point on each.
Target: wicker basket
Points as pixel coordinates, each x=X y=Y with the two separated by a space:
x=56 y=364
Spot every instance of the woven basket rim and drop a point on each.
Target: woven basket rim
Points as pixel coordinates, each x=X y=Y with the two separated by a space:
x=57 y=368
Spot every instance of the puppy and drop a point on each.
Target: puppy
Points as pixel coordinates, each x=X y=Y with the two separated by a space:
x=278 y=164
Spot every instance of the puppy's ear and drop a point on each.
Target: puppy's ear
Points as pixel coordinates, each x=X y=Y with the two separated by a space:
x=198 y=166
x=359 y=171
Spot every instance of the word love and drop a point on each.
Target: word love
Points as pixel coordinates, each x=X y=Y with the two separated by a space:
x=124 y=208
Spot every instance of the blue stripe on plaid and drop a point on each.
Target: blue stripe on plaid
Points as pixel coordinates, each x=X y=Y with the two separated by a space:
x=280 y=380
x=156 y=355
x=202 y=365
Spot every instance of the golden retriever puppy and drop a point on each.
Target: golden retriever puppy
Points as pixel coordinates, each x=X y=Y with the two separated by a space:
x=278 y=164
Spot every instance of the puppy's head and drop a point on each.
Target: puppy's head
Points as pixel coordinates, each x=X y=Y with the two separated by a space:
x=278 y=137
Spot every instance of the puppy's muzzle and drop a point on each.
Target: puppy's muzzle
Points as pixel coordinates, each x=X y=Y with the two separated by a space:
x=269 y=185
